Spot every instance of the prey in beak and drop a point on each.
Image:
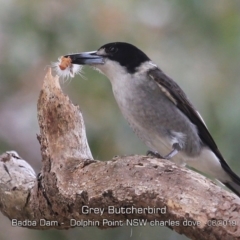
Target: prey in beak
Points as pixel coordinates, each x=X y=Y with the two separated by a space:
x=86 y=58
x=71 y=64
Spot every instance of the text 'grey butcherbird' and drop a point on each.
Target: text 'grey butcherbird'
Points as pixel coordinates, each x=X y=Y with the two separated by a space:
x=158 y=110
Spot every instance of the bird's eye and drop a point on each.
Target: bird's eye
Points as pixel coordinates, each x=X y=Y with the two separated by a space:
x=112 y=50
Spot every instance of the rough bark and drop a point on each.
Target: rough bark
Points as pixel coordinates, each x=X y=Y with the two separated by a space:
x=71 y=182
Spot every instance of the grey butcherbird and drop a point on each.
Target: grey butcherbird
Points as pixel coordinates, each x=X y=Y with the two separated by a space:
x=158 y=110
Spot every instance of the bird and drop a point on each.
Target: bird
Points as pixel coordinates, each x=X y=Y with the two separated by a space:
x=158 y=110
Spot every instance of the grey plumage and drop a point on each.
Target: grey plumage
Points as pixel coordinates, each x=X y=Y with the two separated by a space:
x=154 y=117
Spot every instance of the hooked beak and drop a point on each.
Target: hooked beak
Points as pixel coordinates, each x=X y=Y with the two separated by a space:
x=86 y=58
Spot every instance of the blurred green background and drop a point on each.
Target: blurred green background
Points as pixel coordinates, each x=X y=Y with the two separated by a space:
x=197 y=43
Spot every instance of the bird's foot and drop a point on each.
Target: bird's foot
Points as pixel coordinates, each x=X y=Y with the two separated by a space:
x=176 y=149
x=154 y=154
x=171 y=154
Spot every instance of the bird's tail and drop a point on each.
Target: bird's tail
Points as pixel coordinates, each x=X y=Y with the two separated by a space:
x=217 y=167
x=232 y=180
x=234 y=183
x=235 y=187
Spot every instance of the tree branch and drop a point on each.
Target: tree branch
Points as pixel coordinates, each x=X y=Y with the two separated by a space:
x=124 y=190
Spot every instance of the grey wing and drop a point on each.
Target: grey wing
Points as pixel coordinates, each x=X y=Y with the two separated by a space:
x=179 y=98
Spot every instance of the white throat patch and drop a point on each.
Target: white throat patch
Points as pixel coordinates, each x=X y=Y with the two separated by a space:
x=145 y=67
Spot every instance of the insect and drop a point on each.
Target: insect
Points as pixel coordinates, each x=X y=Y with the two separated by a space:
x=65 y=69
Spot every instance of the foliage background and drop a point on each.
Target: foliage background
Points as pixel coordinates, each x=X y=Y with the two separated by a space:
x=197 y=43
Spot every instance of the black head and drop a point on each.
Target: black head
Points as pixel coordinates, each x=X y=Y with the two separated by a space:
x=125 y=54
